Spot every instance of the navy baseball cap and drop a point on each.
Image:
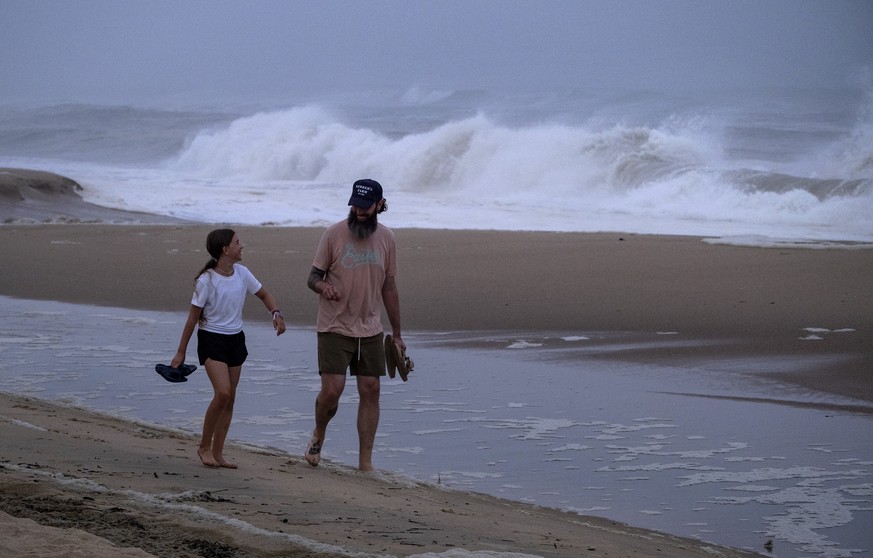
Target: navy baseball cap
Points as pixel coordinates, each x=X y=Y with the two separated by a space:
x=365 y=192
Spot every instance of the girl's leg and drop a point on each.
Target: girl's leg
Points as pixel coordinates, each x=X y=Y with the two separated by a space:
x=223 y=425
x=219 y=375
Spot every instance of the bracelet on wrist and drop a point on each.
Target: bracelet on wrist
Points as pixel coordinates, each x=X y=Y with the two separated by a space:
x=277 y=313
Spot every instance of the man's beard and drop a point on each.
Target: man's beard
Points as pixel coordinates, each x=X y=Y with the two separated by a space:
x=362 y=229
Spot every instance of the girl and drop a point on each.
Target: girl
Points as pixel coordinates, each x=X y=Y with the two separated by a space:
x=220 y=289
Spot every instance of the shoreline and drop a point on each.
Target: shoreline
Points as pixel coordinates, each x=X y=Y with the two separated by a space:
x=136 y=487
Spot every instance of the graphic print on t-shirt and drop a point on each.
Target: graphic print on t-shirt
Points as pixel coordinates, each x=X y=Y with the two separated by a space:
x=353 y=257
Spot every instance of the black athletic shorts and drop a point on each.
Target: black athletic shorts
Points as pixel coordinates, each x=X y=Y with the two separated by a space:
x=229 y=349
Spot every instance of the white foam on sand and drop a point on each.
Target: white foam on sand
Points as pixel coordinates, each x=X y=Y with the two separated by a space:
x=578 y=433
x=461 y=553
x=181 y=501
x=760 y=241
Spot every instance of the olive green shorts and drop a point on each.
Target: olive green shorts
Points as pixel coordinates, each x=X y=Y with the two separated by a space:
x=363 y=356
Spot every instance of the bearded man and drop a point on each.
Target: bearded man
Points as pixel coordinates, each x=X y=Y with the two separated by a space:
x=354 y=275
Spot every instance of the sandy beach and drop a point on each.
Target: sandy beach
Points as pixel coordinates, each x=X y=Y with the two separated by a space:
x=735 y=300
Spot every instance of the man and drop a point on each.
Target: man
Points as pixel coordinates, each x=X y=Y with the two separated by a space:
x=353 y=274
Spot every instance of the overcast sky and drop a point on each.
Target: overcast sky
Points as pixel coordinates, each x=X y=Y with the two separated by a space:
x=125 y=51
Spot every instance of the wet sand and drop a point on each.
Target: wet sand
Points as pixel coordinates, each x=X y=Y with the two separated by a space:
x=737 y=300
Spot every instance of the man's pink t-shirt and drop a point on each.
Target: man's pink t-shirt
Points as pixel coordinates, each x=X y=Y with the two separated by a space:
x=358 y=269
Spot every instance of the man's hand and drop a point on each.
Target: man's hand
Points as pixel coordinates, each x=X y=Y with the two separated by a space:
x=317 y=283
x=399 y=342
x=328 y=291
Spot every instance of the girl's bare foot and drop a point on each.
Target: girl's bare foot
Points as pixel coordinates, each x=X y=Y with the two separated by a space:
x=207 y=459
x=224 y=463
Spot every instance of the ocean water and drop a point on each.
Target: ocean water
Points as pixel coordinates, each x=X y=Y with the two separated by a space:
x=708 y=450
x=749 y=167
x=505 y=415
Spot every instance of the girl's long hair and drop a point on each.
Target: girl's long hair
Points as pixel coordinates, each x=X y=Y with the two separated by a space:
x=215 y=243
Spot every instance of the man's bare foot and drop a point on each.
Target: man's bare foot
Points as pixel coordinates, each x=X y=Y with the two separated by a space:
x=313 y=452
x=207 y=459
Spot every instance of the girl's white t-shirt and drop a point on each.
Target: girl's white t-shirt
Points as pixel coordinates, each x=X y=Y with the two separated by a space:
x=222 y=298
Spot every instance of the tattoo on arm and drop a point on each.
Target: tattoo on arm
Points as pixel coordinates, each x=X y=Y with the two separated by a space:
x=315 y=276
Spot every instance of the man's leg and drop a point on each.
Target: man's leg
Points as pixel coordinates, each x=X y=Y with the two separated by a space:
x=326 y=404
x=368 y=419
